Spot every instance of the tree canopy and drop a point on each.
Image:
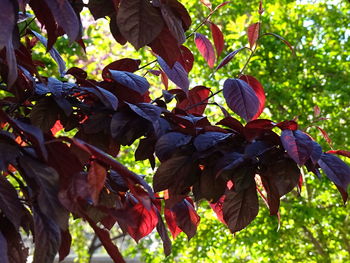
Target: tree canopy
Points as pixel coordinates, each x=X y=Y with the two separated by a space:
x=178 y=110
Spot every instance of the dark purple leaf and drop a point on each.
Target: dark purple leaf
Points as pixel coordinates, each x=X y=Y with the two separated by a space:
x=279 y=177
x=316 y=152
x=8 y=155
x=101 y=8
x=3 y=249
x=209 y=139
x=162 y=231
x=47 y=238
x=66 y=241
x=241 y=98
x=44 y=182
x=130 y=80
x=228 y=58
x=10 y=205
x=337 y=171
x=54 y=54
x=169 y=142
x=240 y=208
x=174 y=24
x=65 y=17
x=206 y=48
x=298 y=145
x=175 y=172
x=147 y=111
x=33 y=133
x=106 y=97
x=139 y=22
x=176 y=74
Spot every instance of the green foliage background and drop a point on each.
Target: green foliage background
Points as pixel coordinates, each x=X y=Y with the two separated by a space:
x=314 y=225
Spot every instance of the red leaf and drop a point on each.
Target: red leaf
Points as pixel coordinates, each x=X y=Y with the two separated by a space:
x=187 y=58
x=288 y=125
x=207 y=3
x=205 y=48
x=125 y=64
x=217 y=208
x=218 y=38
x=164 y=79
x=259 y=91
x=106 y=241
x=228 y=58
x=57 y=127
x=196 y=95
x=166 y=47
x=182 y=217
x=96 y=178
x=340 y=152
x=317 y=111
x=253 y=33
x=144 y=221
x=325 y=135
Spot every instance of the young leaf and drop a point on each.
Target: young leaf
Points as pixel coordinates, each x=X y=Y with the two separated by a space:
x=206 y=3
x=337 y=171
x=240 y=208
x=253 y=33
x=228 y=58
x=218 y=38
x=206 y=48
x=221 y=5
x=176 y=74
x=139 y=22
x=325 y=135
x=130 y=80
x=259 y=91
x=283 y=40
x=241 y=98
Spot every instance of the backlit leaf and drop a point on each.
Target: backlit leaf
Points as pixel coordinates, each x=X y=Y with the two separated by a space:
x=253 y=33
x=206 y=48
x=259 y=91
x=218 y=38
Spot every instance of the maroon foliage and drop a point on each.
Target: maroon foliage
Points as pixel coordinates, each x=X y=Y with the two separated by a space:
x=55 y=177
